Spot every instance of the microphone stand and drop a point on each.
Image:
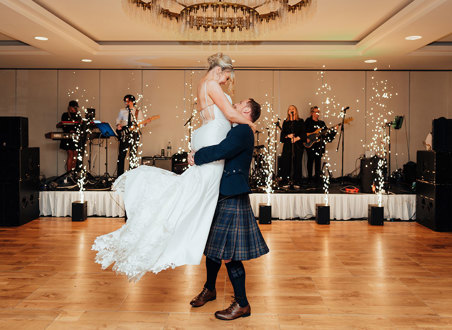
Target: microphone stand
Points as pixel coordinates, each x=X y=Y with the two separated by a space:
x=275 y=169
x=342 y=139
x=292 y=169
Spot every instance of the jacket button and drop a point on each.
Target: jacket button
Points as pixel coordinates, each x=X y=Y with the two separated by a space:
x=233 y=171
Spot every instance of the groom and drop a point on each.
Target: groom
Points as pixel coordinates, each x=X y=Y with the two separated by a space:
x=234 y=235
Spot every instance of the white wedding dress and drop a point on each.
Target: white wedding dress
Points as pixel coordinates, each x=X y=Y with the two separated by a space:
x=169 y=215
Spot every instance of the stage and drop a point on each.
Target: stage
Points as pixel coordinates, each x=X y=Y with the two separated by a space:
x=285 y=206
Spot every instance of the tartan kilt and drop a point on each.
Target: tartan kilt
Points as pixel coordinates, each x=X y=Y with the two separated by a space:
x=234 y=233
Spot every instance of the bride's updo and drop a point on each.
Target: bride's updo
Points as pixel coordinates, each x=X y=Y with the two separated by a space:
x=221 y=60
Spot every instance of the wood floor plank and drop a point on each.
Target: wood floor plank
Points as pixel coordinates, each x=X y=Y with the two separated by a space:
x=347 y=275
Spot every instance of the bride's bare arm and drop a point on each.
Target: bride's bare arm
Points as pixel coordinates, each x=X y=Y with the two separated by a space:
x=218 y=97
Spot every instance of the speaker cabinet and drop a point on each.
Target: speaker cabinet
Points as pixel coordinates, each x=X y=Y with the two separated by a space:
x=19 y=164
x=13 y=132
x=179 y=162
x=19 y=202
x=441 y=134
x=434 y=166
x=160 y=162
x=368 y=173
x=433 y=205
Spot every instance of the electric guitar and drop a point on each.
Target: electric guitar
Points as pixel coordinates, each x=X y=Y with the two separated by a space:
x=318 y=134
x=125 y=130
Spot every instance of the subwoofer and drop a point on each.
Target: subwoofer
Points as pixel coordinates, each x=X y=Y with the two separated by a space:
x=19 y=202
x=433 y=205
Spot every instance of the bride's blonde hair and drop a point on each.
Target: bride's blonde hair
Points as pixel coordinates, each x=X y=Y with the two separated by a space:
x=225 y=63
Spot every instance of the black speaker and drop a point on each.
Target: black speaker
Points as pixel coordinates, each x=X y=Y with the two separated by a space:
x=19 y=202
x=265 y=214
x=368 y=173
x=433 y=205
x=441 y=134
x=434 y=166
x=179 y=162
x=19 y=164
x=13 y=132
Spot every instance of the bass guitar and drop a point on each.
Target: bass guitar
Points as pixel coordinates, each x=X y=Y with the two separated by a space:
x=127 y=130
x=318 y=134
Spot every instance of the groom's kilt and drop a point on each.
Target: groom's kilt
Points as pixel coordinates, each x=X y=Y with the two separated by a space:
x=234 y=233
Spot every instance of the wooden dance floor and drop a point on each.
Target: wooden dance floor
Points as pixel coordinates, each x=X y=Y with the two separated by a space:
x=345 y=275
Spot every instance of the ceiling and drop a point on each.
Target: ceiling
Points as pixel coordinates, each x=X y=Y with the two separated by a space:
x=332 y=34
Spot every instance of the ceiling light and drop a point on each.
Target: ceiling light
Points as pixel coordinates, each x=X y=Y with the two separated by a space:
x=413 y=37
x=370 y=61
x=87 y=60
x=223 y=17
x=41 y=38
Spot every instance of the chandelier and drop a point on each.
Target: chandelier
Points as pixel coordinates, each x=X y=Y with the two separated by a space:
x=221 y=15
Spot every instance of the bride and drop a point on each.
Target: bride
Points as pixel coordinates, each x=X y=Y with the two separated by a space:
x=169 y=215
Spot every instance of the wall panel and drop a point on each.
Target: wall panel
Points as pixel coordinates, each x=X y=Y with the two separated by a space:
x=7 y=92
x=37 y=100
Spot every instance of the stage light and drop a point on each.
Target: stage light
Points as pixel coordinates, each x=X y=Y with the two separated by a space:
x=370 y=61
x=411 y=38
x=87 y=60
x=41 y=38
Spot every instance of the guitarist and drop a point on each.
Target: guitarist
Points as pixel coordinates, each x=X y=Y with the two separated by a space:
x=317 y=150
x=128 y=139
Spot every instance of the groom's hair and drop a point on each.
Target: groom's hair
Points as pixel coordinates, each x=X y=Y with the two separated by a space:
x=255 y=110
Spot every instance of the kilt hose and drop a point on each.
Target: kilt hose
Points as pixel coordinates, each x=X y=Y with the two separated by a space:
x=234 y=233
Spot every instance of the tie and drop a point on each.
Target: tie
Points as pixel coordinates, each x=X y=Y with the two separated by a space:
x=129 y=118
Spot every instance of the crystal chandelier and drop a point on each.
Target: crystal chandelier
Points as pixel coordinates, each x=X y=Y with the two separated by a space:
x=228 y=16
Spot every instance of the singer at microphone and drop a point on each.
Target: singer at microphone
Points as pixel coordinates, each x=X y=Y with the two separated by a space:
x=293 y=135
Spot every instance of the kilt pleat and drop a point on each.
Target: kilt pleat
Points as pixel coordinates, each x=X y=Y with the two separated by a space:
x=234 y=233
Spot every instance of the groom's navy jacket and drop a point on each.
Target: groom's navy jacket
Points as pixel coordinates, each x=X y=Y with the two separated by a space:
x=237 y=150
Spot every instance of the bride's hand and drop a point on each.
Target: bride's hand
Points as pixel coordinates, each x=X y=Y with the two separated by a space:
x=191 y=158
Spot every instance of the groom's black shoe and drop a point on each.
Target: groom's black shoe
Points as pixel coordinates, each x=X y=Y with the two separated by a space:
x=233 y=312
x=202 y=298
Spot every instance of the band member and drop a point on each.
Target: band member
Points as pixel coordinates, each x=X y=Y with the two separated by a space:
x=317 y=150
x=69 y=145
x=292 y=135
x=128 y=131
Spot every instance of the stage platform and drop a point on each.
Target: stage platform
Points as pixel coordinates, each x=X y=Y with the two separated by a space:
x=285 y=206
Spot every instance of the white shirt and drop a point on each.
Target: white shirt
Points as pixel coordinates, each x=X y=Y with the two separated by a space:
x=124 y=115
x=428 y=142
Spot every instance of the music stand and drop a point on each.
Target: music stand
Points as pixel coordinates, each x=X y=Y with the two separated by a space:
x=106 y=131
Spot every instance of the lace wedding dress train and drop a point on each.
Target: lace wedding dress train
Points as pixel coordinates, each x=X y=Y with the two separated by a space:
x=169 y=215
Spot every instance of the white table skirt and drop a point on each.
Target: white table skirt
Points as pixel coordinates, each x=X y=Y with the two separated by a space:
x=342 y=206
x=284 y=206
x=100 y=203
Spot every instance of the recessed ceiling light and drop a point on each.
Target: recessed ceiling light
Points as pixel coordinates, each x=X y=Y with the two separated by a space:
x=87 y=60
x=413 y=37
x=233 y=61
x=41 y=38
x=370 y=61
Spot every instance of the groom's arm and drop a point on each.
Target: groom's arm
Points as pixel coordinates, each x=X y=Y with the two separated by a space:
x=234 y=143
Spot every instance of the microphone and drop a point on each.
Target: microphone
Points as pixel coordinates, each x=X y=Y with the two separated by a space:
x=345 y=109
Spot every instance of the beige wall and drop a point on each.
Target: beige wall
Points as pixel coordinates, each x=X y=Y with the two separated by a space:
x=42 y=96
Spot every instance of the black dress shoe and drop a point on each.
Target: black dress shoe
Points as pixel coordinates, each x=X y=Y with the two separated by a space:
x=205 y=296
